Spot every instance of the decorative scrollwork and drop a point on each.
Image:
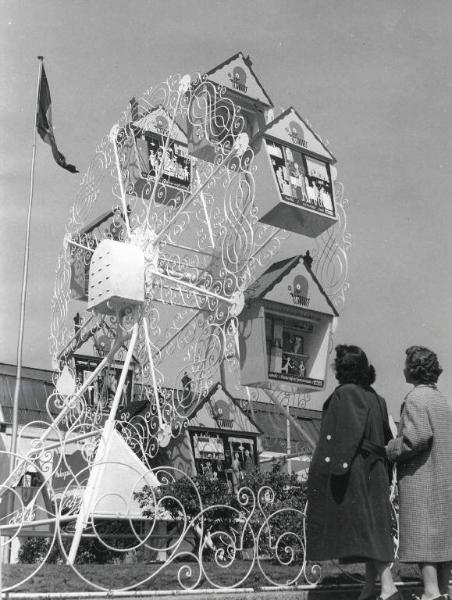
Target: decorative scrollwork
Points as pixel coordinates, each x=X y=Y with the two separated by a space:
x=330 y=257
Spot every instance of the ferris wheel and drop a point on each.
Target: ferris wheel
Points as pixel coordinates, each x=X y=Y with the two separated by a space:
x=163 y=240
x=165 y=266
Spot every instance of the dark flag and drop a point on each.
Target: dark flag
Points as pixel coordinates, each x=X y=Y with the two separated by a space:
x=44 y=122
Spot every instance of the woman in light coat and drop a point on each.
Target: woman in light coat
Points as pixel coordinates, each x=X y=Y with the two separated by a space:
x=423 y=451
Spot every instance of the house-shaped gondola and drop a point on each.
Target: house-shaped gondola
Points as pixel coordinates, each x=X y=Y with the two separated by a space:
x=285 y=328
x=161 y=168
x=229 y=100
x=295 y=183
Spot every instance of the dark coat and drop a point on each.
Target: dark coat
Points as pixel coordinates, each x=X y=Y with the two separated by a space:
x=423 y=451
x=349 y=513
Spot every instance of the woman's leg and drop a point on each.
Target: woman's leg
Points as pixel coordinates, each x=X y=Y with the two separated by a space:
x=444 y=571
x=387 y=583
x=430 y=577
x=370 y=584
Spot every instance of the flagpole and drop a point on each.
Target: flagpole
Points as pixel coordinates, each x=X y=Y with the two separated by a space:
x=24 y=287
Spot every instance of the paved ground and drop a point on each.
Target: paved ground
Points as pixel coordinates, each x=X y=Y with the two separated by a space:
x=336 y=593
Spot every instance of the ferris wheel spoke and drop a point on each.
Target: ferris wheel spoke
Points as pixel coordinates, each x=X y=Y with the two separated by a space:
x=181 y=329
x=113 y=135
x=197 y=290
x=86 y=248
x=187 y=248
x=206 y=214
x=182 y=303
x=152 y=369
x=79 y=338
x=176 y=262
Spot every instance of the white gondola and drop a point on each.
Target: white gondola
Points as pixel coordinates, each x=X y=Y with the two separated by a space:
x=285 y=329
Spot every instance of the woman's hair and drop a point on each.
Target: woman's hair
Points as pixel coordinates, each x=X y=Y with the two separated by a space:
x=422 y=365
x=352 y=366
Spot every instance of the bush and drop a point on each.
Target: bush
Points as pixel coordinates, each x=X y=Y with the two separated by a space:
x=34 y=550
x=277 y=524
x=279 y=499
x=117 y=534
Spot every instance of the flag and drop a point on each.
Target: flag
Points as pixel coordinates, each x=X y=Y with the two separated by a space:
x=44 y=122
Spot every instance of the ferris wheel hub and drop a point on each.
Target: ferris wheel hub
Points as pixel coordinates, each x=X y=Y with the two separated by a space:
x=145 y=240
x=116 y=277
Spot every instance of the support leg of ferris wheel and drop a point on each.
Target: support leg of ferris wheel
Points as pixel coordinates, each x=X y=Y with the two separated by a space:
x=98 y=466
x=68 y=406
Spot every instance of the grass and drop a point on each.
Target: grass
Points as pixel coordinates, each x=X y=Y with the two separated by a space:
x=59 y=578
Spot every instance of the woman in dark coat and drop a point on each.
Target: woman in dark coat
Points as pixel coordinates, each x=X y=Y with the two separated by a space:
x=423 y=451
x=349 y=513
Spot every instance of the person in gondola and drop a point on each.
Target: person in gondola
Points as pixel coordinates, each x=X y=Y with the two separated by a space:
x=349 y=513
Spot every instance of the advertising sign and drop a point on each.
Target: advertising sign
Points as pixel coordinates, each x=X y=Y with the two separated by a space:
x=72 y=469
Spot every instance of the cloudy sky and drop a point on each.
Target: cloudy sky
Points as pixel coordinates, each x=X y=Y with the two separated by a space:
x=373 y=77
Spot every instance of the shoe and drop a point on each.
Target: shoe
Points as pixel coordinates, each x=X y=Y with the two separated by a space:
x=395 y=596
x=442 y=597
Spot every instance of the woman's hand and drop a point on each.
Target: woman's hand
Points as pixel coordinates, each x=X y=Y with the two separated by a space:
x=392 y=426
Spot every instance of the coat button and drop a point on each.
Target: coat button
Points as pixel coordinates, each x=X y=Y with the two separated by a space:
x=327 y=459
x=345 y=465
x=328 y=437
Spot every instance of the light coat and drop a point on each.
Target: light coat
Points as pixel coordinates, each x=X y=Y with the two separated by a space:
x=423 y=451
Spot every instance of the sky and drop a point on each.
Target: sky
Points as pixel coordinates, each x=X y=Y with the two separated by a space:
x=372 y=77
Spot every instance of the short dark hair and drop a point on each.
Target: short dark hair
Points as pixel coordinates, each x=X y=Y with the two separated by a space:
x=352 y=366
x=422 y=365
